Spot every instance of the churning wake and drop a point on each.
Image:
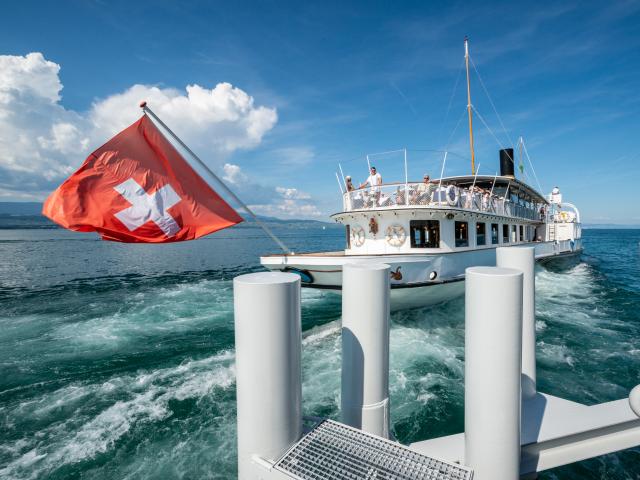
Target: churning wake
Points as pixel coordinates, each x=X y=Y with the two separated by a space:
x=133 y=376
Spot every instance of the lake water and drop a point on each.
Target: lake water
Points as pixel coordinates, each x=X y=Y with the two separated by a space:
x=117 y=361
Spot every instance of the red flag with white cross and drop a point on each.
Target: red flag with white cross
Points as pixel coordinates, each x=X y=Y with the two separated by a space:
x=138 y=188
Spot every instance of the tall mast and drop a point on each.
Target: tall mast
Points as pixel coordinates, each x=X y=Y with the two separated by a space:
x=466 y=61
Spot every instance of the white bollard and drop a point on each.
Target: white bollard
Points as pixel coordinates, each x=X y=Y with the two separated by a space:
x=493 y=351
x=365 y=347
x=524 y=259
x=634 y=400
x=268 y=371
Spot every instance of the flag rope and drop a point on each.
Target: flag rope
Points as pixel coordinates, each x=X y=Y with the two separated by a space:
x=264 y=227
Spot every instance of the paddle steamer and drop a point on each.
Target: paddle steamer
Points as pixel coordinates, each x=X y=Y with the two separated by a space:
x=430 y=232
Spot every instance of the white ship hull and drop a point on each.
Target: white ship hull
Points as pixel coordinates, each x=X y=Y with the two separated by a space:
x=412 y=282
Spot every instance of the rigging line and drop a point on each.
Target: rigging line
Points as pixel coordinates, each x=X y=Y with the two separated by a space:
x=453 y=93
x=524 y=147
x=488 y=128
x=491 y=101
x=404 y=97
x=454 y=130
x=385 y=153
x=436 y=151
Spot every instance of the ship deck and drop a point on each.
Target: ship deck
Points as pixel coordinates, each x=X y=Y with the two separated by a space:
x=308 y=254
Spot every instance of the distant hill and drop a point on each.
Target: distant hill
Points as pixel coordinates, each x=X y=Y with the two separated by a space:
x=28 y=215
x=608 y=226
x=20 y=208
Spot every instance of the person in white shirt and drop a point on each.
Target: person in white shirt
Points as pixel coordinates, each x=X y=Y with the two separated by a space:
x=374 y=181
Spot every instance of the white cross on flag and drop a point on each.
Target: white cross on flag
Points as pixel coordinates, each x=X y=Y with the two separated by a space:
x=145 y=207
x=138 y=188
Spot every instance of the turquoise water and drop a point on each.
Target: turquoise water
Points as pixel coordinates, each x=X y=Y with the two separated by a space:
x=117 y=361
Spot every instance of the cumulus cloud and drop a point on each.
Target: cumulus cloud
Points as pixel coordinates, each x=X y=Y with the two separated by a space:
x=233 y=174
x=289 y=203
x=281 y=202
x=41 y=141
x=223 y=118
x=30 y=75
x=292 y=193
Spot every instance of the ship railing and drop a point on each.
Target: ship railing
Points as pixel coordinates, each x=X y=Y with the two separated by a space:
x=401 y=195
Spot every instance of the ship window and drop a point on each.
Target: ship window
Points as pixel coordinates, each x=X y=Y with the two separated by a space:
x=462 y=234
x=348 y=232
x=481 y=233
x=494 y=233
x=514 y=233
x=505 y=233
x=425 y=233
x=522 y=239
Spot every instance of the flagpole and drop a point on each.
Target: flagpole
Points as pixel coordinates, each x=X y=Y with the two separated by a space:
x=203 y=165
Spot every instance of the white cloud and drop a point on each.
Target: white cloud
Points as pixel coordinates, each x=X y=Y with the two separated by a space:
x=32 y=75
x=223 y=118
x=41 y=141
x=292 y=193
x=288 y=209
x=281 y=202
x=233 y=174
x=289 y=203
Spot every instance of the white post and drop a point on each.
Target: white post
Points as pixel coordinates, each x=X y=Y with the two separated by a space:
x=365 y=347
x=475 y=176
x=523 y=259
x=406 y=179
x=444 y=162
x=634 y=400
x=493 y=336
x=339 y=184
x=344 y=181
x=268 y=371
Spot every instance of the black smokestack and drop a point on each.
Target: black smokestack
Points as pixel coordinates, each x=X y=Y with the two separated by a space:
x=507 y=163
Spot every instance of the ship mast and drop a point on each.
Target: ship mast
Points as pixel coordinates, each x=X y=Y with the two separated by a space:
x=466 y=60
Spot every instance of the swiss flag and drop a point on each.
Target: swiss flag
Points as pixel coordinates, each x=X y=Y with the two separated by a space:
x=138 y=188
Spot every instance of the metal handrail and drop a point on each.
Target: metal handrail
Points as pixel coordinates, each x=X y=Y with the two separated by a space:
x=402 y=195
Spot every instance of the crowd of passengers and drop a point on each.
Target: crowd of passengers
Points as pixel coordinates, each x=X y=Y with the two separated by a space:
x=418 y=195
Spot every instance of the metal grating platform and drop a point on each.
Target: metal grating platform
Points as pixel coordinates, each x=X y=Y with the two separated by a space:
x=335 y=451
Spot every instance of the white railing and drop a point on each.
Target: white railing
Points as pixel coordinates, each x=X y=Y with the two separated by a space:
x=434 y=195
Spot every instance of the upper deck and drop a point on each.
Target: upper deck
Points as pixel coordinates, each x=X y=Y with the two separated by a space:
x=504 y=196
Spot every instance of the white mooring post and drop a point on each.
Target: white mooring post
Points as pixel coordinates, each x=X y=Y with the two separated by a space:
x=493 y=353
x=268 y=370
x=365 y=347
x=634 y=400
x=523 y=259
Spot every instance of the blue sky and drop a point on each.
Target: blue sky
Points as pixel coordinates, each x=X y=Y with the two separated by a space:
x=335 y=81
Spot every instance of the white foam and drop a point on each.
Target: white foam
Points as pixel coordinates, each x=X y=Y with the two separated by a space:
x=148 y=396
x=321 y=332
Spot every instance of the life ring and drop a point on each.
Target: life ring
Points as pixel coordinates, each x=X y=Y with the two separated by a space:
x=357 y=235
x=564 y=216
x=395 y=235
x=453 y=195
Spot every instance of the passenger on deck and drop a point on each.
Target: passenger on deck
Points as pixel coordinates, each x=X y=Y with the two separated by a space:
x=422 y=194
x=374 y=181
x=350 y=186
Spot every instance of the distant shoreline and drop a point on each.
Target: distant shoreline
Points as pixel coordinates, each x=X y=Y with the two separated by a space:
x=26 y=215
